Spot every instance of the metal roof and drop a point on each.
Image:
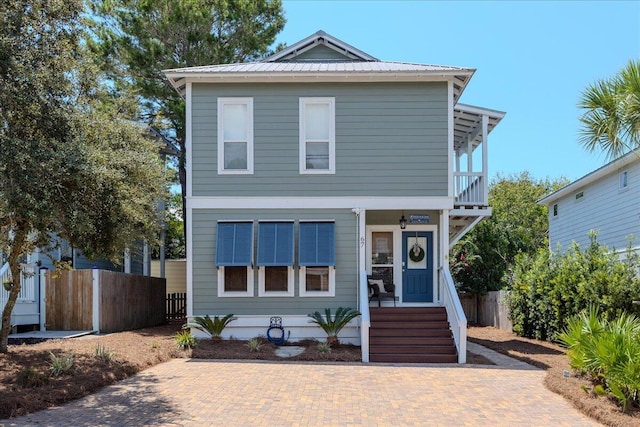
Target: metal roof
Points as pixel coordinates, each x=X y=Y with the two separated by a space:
x=467 y=121
x=320 y=38
x=352 y=71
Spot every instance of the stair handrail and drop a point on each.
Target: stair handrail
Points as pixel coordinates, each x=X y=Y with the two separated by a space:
x=365 y=319
x=455 y=313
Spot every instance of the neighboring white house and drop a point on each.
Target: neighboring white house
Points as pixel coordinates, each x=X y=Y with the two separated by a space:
x=606 y=200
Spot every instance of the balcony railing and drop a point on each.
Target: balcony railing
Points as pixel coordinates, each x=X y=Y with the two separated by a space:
x=470 y=188
x=27 y=282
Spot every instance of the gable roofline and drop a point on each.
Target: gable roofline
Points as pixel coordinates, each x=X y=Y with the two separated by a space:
x=630 y=157
x=320 y=38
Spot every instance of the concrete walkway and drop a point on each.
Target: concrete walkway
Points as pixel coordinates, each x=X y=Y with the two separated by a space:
x=232 y=393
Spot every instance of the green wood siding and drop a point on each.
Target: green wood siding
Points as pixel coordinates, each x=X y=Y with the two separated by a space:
x=321 y=53
x=205 y=286
x=391 y=140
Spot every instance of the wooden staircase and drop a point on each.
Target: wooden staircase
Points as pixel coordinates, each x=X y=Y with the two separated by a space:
x=411 y=335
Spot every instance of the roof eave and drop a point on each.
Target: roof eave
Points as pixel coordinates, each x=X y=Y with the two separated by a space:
x=612 y=166
x=179 y=79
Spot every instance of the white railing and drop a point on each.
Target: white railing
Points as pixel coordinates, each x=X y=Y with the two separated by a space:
x=470 y=188
x=455 y=313
x=365 y=320
x=28 y=284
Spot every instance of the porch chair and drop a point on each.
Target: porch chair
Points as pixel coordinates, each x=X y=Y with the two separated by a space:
x=380 y=287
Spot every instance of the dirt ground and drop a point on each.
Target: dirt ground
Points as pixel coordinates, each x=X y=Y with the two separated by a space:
x=27 y=386
x=553 y=359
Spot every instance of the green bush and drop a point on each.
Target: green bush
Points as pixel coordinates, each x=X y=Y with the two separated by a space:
x=607 y=351
x=185 y=340
x=212 y=327
x=60 y=364
x=333 y=326
x=550 y=288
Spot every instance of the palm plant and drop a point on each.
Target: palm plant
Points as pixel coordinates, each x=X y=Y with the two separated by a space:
x=212 y=327
x=333 y=326
x=611 y=121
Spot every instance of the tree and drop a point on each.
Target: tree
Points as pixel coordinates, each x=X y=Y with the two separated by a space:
x=137 y=39
x=483 y=260
x=70 y=163
x=611 y=120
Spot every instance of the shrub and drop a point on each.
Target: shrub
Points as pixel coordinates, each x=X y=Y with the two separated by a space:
x=30 y=377
x=60 y=364
x=550 y=288
x=333 y=326
x=254 y=345
x=103 y=353
x=185 y=340
x=324 y=348
x=607 y=351
x=212 y=327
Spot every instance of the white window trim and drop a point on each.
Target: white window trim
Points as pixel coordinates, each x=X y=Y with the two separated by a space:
x=303 y=283
x=262 y=292
x=332 y=136
x=249 y=103
x=620 y=187
x=234 y=294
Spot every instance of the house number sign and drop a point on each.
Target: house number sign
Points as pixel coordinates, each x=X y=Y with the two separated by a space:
x=418 y=219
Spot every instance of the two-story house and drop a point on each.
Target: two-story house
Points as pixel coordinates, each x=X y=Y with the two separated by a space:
x=606 y=201
x=319 y=165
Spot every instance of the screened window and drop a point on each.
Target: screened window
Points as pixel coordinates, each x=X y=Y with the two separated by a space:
x=316 y=256
x=317 y=135
x=235 y=135
x=275 y=258
x=234 y=247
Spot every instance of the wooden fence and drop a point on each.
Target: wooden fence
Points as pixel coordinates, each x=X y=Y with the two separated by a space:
x=487 y=310
x=103 y=301
x=176 y=306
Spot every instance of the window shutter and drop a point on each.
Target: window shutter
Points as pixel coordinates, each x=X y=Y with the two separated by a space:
x=275 y=244
x=234 y=244
x=317 y=244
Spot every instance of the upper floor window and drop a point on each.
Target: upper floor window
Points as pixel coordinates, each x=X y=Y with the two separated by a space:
x=317 y=136
x=235 y=135
x=234 y=252
x=555 y=209
x=275 y=258
x=316 y=256
x=623 y=180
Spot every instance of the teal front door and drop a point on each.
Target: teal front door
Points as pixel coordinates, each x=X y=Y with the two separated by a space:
x=417 y=266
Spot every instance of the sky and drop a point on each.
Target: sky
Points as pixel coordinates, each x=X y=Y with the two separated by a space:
x=533 y=60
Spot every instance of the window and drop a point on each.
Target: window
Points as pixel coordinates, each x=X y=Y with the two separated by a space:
x=317 y=136
x=623 y=180
x=275 y=259
x=316 y=256
x=580 y=195
x=234 y=247
x=382 y=253
x=555 y=209
x=235 y=135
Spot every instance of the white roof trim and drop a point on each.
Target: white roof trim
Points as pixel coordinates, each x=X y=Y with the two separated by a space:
x=631 y=157
x=323 y=38
x=481 y=111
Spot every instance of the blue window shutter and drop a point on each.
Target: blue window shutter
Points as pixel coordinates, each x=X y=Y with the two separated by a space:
x=275 y=244
x=317 y=244
x=234 y=244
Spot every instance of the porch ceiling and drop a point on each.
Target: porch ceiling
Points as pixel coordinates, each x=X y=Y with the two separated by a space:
x=467 y=125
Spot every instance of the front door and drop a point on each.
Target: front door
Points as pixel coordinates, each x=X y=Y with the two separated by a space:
x=417 y=266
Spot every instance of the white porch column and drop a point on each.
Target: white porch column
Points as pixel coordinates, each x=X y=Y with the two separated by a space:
x=363 y=293
x=485 y=162
x=127 y=261
x=444 y=245
x=146 y=260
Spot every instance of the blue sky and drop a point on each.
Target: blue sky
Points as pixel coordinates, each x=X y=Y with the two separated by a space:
x=533 y=60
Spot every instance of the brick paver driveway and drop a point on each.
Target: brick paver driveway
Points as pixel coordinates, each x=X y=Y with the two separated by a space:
x=199 y=393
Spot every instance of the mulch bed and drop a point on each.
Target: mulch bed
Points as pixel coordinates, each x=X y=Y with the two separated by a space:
x=553 y=359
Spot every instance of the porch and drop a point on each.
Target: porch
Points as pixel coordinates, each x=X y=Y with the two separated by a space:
x=27 y=309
